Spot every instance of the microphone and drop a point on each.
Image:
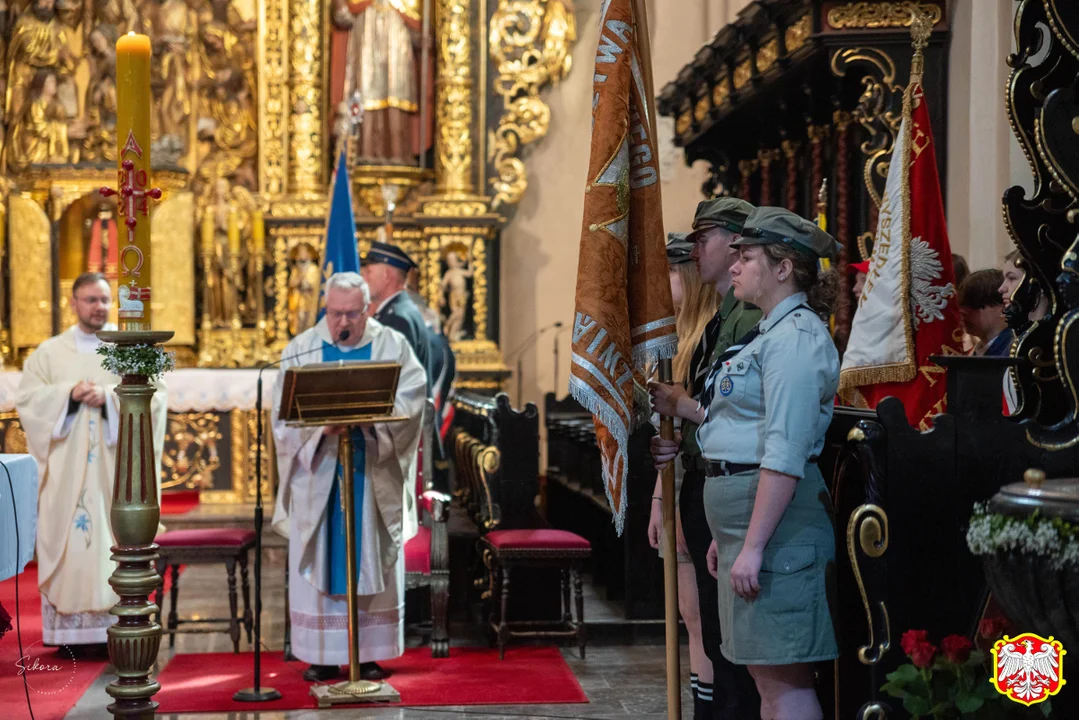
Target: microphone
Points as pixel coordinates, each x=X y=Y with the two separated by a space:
x=343 y=336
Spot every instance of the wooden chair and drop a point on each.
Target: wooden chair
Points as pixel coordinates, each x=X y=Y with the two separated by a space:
x=505 y=550
x=200 y=547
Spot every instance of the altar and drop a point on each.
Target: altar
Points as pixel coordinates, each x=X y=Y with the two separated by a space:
x=434 y=103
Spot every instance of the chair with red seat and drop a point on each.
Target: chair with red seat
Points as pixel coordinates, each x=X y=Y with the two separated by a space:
x=530 y=548
x=199 y=547
x=427 y=554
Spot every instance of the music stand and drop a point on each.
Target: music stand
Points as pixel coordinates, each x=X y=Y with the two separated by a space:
x=347 y=394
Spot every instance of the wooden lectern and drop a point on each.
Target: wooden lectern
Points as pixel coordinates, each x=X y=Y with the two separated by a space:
x=345 y=394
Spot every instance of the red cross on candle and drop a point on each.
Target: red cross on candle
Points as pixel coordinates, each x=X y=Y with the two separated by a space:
x=134 y=201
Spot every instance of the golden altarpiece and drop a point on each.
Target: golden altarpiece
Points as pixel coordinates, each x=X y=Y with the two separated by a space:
x=434 y=102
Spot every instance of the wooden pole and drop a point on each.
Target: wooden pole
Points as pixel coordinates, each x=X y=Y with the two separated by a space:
x=666 y=426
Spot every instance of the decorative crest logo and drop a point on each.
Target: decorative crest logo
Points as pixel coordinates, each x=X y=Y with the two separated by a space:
x=1028 y=668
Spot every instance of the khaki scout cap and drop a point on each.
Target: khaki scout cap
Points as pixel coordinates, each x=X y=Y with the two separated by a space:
x=768 y=225
x=678 y=249
x=725 y=212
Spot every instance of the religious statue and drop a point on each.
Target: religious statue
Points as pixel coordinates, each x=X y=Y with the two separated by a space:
x=454 y=291
x=304 y=282
x=383 y=43
x=171 y=25
x=40 y=133
x=39 y=42
x=100 y=142
x=121 y=14
x=231 y=281
x=227 y=120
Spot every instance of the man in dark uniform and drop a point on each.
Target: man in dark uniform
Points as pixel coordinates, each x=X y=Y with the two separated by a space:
x=716 y=224
x=385 y=268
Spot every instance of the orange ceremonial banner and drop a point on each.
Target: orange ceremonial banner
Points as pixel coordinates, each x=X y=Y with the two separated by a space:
x=624 y=314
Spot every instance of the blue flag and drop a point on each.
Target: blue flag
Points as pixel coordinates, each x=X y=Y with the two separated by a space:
x=340 y=253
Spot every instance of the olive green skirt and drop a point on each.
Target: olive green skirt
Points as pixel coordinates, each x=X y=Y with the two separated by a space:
x=790 y=620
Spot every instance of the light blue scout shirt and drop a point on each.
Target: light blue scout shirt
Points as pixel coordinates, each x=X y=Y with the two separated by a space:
x=773 y=401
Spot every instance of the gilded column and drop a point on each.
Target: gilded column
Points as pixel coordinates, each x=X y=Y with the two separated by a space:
x=307 y=65
x=454 y=98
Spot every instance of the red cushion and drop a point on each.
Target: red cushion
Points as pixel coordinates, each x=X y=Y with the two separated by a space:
x=536 y=540
x=418 y=552
x=221 y=537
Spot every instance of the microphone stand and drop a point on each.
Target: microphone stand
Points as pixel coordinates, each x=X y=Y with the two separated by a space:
x=520 y=359
x=258 y=693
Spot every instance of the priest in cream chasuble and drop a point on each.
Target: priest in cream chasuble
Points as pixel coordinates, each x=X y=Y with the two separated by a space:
x=68 y=407
x=309 y=507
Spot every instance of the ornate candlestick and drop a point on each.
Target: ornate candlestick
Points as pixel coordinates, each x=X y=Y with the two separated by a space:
x=134 y=354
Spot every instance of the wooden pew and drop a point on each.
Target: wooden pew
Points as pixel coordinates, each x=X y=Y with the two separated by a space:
x=624 y=569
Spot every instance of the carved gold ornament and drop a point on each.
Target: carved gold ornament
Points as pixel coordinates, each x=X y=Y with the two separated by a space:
x=767 y=55
x=720 y=92
x=742 y=74
x=700 y=112
x=797 y=34
x=531 y=42
x=274 y=91
x=873 y=15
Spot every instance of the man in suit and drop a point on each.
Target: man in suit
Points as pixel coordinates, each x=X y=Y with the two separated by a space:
x=385 y=268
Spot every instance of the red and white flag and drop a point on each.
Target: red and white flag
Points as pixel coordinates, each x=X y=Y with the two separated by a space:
x=909 y=309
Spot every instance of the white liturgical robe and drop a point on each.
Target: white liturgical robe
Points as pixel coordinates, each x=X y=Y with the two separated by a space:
x=385 y=491
x=75 y=448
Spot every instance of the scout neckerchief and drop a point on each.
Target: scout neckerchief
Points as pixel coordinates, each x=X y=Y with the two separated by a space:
x=727 y=385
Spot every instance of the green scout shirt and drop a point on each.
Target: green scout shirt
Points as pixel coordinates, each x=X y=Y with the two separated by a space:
x=736 y=319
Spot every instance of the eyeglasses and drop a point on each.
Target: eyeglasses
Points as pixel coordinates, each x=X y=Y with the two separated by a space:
x=351 y=315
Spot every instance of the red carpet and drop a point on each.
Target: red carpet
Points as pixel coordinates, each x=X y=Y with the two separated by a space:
x=179 y=502
x=470 y=676
x=56 y=680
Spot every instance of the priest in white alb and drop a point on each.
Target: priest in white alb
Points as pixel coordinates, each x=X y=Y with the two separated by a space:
x=68 y=408
x=309 y=506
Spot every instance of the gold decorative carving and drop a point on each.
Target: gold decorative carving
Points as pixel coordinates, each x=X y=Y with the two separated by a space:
x=31 y=285
x=875 y=15
x=870 y=523
x=742 y=74
x=242 y=448
x=878 y=110
x=314 y=207
x=700 y=112
x=530 y=45
x=767 y=55
x=273 y=81
x=14 y=437
x=172 y=235
x=684 y=123
x=306 y=72
x=455 y=208
x=369 y=183
x=797 y=34
x=190 y=457
x=453 y=98
x=720 y=92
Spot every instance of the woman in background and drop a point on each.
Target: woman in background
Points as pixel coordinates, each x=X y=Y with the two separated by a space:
x=695 y=304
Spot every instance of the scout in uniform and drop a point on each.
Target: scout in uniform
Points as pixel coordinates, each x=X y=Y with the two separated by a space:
x=765 y=498
x=716 y=225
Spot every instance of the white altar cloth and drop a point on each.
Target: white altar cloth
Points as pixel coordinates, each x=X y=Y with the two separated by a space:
x=24 y=482
x=190 y=389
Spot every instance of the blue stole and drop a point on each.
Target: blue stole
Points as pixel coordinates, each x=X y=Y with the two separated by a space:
x=336 y=555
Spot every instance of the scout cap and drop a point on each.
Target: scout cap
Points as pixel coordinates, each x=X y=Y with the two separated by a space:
x=678 y=249
x=392 y=255
x=768 y=225
x=725 y=212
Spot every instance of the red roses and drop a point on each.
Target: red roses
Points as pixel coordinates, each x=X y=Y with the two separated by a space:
x=916 y=645
x=991 y=628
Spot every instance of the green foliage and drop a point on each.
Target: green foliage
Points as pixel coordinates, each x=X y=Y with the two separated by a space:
x=150 y=361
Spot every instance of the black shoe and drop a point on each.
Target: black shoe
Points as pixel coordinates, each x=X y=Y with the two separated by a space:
x=320 y=673
x=372 y=671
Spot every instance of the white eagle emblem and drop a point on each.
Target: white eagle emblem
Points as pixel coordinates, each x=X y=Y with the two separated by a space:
x=1025 y=674
x=927 y=299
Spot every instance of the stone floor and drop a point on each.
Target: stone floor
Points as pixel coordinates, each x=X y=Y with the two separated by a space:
x=620 y=681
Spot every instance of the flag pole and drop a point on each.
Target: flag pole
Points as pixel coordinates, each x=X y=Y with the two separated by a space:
x=666 y=426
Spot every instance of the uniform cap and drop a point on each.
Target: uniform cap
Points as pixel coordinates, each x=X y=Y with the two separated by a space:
x=770 y=225
x=678 y=248
x=725 y=212
x=387 y=254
